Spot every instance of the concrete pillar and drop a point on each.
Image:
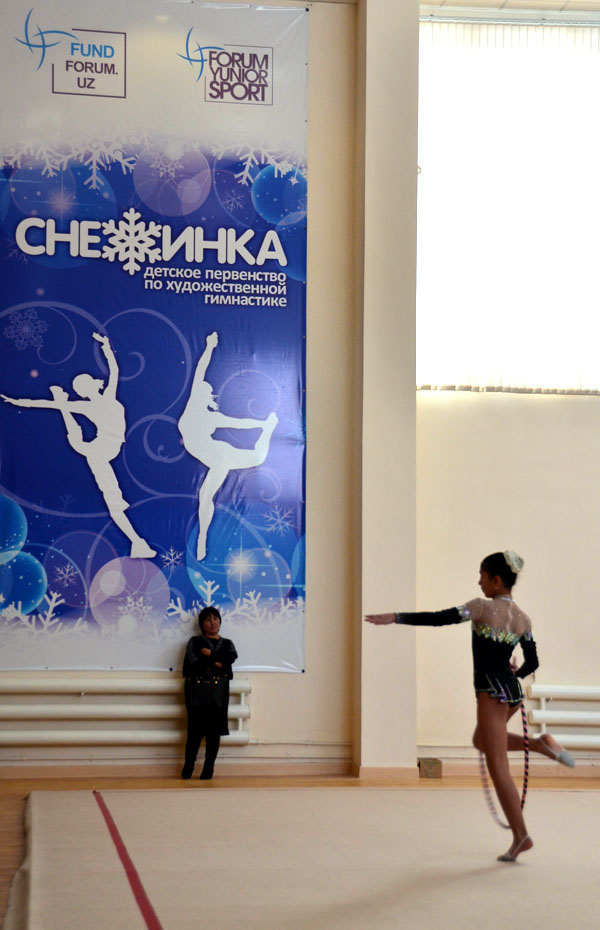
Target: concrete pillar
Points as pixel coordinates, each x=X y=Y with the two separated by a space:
x=388 y=62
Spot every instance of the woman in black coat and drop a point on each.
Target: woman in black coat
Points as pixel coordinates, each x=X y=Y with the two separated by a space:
x=207 y=667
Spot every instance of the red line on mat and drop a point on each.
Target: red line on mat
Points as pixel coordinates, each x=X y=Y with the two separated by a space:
x=143 y=902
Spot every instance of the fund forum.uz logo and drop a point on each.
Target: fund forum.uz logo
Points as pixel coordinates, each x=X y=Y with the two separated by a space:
x=38 y=42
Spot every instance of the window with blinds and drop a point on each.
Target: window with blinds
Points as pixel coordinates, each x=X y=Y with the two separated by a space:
x=508 y=294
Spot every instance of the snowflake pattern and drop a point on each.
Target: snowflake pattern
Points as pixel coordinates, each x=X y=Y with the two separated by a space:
x=171 y=560
x=279 y=520
x=96 y=156
x=253 y=158
x=165 y=167
x=49 y=633
x=136 y=607
x=25 y=329
x=95 y=161
x=246 y=611
x=186 y=618
x=46 y=622
x=249 y=610
x=131 y=241
x=65 y=575
x=99 y=155
x=233 y=201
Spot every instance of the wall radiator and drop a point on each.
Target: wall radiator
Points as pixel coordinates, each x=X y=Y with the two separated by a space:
x=570 y=709
x=104 y=709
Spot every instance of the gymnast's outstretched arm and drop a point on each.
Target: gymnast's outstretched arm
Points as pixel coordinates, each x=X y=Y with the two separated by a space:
x=425 y=618
x=113 y=368
x=28 y=402
x=204 y=361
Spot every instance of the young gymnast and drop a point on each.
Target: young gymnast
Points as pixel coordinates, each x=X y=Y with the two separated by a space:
x=497 y=626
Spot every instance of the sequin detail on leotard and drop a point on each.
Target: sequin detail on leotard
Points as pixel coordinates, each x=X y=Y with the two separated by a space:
x=498 y=635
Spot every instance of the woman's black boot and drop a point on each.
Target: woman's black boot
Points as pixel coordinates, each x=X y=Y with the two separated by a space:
x=187 y=770
x=213 y=741
x=207 y=771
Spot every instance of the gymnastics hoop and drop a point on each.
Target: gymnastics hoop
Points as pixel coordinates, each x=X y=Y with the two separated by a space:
x=484 y=779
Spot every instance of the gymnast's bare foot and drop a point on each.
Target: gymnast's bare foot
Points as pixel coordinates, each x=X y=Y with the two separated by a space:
x=516 y=849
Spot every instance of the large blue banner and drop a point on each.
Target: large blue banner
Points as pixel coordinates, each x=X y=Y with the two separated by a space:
x=152 y=331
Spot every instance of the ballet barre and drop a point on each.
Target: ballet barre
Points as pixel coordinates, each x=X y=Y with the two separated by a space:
x=105 y=709
x=566 y=716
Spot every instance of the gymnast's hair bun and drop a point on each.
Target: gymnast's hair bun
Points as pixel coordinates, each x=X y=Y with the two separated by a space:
x=514 y=561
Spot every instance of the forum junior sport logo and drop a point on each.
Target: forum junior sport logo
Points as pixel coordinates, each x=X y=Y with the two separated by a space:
x=232 y=73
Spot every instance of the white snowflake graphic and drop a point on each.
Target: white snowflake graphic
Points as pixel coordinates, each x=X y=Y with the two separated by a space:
x=253 y=158
x=49 y=631
x=25 y=329
x=279 y=520
x=171 y=560
x=52 y=160
x=250 y=611
x=99 y=155
x=132 y=241
x=45 y=623
x=65 y=575
x=233 y=201
x=136 y=607
x=96 y=156
x=186 y=618
x=166 y=167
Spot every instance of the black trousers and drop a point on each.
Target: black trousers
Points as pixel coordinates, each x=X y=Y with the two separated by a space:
x=199 y=725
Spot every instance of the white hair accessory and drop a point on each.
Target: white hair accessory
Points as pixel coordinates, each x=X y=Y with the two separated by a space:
x=514 y=561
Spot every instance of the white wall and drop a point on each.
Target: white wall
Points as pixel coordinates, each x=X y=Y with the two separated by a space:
x=498 y=471
x=317 y=707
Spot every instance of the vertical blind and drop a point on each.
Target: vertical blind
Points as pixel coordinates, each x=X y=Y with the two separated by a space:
x=508 y=292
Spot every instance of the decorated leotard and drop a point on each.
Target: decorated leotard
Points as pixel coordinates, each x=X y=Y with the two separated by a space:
x=497 y=626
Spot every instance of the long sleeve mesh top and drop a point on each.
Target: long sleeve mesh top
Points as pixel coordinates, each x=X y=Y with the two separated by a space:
x=497 y=625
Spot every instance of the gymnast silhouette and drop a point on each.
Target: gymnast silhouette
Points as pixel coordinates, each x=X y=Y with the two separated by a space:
x=197 y=424
x=103 y=409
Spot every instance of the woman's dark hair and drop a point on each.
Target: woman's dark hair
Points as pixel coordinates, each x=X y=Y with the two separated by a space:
x=207 y=612
x=496 y=564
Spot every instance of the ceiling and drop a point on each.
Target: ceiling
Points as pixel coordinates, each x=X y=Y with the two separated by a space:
x=567 y=10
